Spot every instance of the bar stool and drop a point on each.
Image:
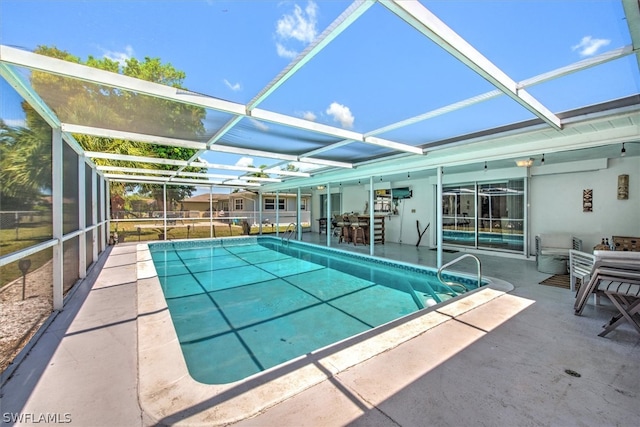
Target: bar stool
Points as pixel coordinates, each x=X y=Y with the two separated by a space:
x=345 y=229
x=357 y=232
x=358 y=235
x=345 y=236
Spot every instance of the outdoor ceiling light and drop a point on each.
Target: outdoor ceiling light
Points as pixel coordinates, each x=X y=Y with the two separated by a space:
x=623 y=152
x=542 y=161
x=524 y=163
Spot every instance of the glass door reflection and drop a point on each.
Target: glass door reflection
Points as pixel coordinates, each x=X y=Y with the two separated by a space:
x=501 y=215
x=459 y=215
x=485 y=215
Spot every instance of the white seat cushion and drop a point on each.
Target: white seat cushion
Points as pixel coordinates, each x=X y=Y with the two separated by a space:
x=554 y=251
x=553 y=240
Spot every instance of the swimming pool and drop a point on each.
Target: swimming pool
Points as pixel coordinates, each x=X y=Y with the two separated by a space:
x=241 y=306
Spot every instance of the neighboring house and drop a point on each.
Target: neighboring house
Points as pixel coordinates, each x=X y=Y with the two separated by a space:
x=200 y=203
x=245 y=205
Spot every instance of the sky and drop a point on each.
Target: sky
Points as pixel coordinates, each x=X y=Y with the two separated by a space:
x=379 y=71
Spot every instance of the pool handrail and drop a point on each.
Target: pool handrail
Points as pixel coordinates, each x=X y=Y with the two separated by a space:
x=452 y=284
x=290 y=231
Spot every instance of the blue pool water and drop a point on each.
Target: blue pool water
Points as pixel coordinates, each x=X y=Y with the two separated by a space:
x=240 y=306
x=483 y=237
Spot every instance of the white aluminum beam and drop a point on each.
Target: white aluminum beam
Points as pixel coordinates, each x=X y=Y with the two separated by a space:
x=93 y=75
x=287 y=173
x=270 y=116
x=85 y=73
x=154 y=160
x=164 y=180
x=168 y=172
x=240 y=183
x=24 y=89
x=57 y=202
x=175 y=142
x=632 y=13
x=323 y=162
x=136 y=178
x=223 y=130
x=131 y=136
x=327 y=148
x=257 y=178
x=171 y=162
x=393 y=145
x=419 y=17
x=351 y=136
x=541 y=78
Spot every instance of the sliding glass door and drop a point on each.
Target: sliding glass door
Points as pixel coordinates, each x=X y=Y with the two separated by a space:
x=485 y=215
x=335 y=205
x=459 y=214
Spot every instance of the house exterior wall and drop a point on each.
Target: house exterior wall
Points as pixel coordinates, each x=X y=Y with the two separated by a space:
x=555 y=201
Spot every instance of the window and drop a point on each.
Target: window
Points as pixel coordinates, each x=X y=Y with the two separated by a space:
x=270 y=204
x=303 y=204
x=238 y=204
x=382 y=202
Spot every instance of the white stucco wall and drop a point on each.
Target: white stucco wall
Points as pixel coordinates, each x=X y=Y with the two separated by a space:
x=556 y=203
x=555 y=198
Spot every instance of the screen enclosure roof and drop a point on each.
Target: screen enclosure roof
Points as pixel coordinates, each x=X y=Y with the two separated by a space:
x=378 y=88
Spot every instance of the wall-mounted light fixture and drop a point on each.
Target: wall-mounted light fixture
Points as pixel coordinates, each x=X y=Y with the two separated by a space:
x=623 y=152
x=524 y=163
x=542 y=161
x=320 y=187
x=408 y=175
x=485 y=165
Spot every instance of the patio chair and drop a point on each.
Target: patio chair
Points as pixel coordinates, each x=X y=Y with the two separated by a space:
x=552 y=251
x=619 y=279
x=609 y=265
x=580 y=266
x=626 y=298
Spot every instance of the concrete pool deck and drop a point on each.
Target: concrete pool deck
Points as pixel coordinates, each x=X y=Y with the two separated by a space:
x=507 y=361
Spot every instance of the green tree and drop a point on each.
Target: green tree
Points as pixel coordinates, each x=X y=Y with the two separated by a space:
x=24 y=176
x=88 y=104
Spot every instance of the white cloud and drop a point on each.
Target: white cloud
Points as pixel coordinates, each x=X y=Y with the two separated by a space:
x=283 y=52
x=245 y=161
x=15 y=123
x=342 y=114
x=262 y=126
x=589 y=46
x=120 y=57
x=296 y=26
x=309 y=115
x=234 y=87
